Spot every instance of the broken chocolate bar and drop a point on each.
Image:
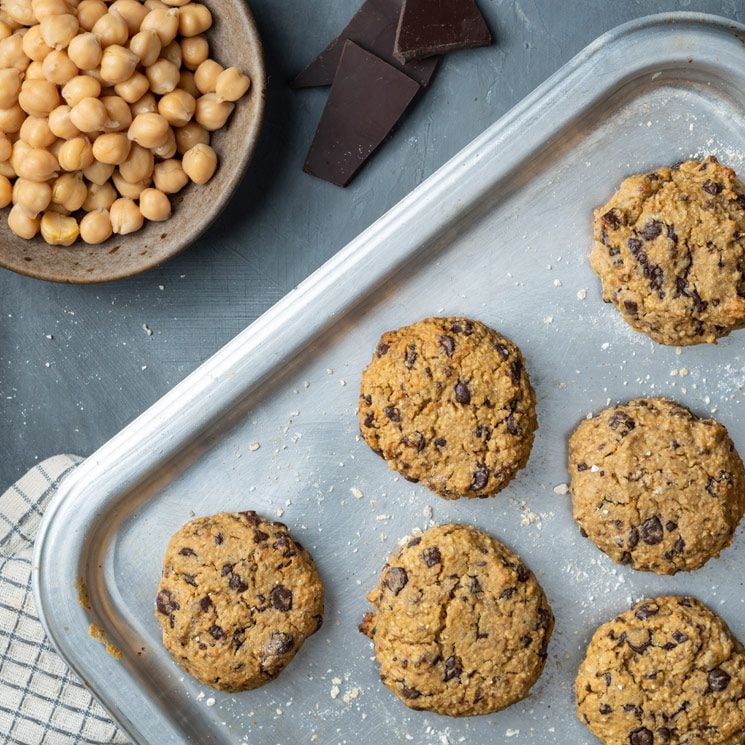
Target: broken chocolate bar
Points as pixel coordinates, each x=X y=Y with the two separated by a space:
x=367 y=98
x=430 y=27
x=374 y=29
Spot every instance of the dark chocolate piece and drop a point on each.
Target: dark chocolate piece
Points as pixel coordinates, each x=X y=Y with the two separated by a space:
x=430 y=27
x=367 y=98
x=374 y=29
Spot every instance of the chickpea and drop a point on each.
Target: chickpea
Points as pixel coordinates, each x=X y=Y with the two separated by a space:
x=35 y=131
x=177 y=107
x=98 y=173
x=7 y=170
x=61 y=124
x=100 y=196
x=175 y=3
x=5 y=30
x=7 y=21
x=153 y=4
x=80 y=87
x=89 y=115
x=168 y=148
x=146 y=45
x=59 y=31
x=37 y=165
x=163 y=76
x=58 y=229
x=12 y=54
x=128 y=190
x=96 y=227
x=133 y=88
x=10 y=87
x=35 y=71
x=96 y=73
x=11 y=119
x=199 y=163
x=20 y=151
x=76 y=154
x=38 y=97
x=194 y=19
x=145 y=105
x=138 y=166
x=6 y=148
x=21 y=11
x=85 y=51
x=132 y=12
x=111 y=29
x=149 y=130
x=194 y=51
x=125 y=217
x=70 y=191
x=33 y=196
x=44 y=8
x=172 y=53
x=23 y=224
x=154 y=205
x=206 y=76
x=232 y=85
x=211 y=113
x=57 y=209
x=112 y=148
x=169 y=176
x=117 y=64
x=120 y=115
x=59 y=68
x=34 y=46
x=89 y=11
x=186 y=82
x=56 y=147
x=165 y=23
x=6 y=192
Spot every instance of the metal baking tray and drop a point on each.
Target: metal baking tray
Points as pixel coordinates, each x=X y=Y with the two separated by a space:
x=500 y=233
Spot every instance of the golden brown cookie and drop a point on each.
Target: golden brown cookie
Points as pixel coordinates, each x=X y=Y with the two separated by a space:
x=237 y=599
x=448 y=402
x=654 y=486
x=666 y=672
x=670 y=252
x=461 y=626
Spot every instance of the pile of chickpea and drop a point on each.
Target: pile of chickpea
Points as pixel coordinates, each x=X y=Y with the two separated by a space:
x=106 y=108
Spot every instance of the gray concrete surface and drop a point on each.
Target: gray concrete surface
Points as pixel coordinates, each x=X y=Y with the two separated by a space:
x=76 y=364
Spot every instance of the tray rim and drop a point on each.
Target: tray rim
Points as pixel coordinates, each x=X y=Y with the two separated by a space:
x=130 y=455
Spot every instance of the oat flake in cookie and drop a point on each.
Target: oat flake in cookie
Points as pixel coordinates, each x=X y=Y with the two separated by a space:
x=670 y=252
x=461 y=626
x=448 y=402
x=237 y=599
x=666 y=672
x=654 y=486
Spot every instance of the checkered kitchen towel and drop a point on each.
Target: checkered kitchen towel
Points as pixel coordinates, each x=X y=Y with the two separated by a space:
x=42 y=702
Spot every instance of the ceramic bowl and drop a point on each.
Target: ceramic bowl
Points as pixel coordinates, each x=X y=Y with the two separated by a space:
x=234 y=41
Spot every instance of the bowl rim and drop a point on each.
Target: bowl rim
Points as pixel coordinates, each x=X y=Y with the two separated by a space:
x=258 y=87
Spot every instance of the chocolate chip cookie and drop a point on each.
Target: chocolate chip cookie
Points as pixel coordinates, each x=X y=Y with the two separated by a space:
x=666 y=672
x=237 y=599
x=670 y=252
x=461 y=625
x=654 y=486
x=448 y=402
